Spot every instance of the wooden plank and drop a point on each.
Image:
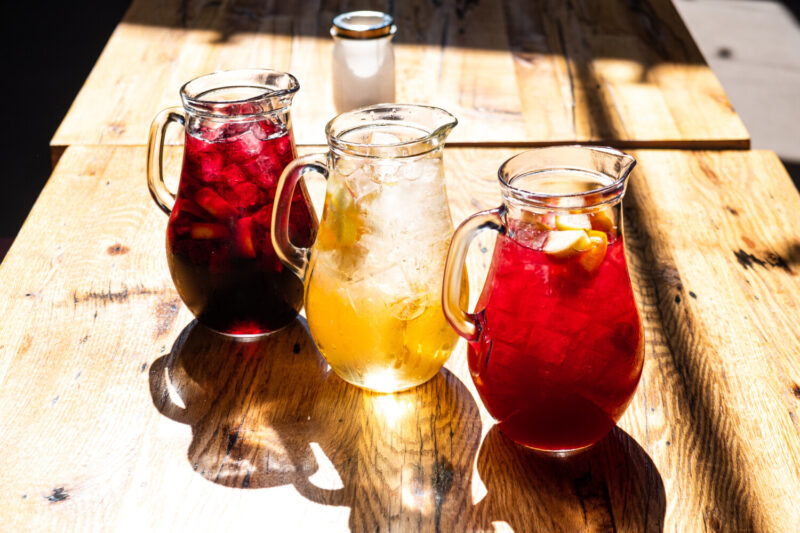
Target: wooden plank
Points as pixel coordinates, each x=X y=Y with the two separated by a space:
x=537 y=72
x=116 y=411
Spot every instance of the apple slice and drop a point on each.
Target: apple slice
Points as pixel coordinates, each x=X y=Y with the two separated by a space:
x=541 y=222
x=214 y=204
x=565 y=244
x=591 y=258
x=243 y=237
x=573 y=221
x=208 y=230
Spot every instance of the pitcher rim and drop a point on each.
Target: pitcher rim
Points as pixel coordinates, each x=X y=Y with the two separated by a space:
x=197 y=104
x=605 y=194
x=367 y=149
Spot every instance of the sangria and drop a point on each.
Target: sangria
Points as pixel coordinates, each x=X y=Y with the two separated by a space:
x=218 y=236
x=373 y=284
x=556 y=348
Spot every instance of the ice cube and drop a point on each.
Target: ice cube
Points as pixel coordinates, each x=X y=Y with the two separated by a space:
x=244 y=195
x=245 y=147
x=360 y=185
x=408 y=307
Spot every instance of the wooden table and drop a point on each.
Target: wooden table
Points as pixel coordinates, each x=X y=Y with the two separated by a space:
x=118 y=412
x=514 y=73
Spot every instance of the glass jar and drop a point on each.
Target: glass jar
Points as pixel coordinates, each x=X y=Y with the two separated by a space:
x=363 y=59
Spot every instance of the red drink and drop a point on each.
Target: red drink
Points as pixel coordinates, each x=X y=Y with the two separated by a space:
x=560 y=346
x=218 y=238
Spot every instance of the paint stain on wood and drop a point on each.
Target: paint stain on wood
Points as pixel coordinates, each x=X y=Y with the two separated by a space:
x=732 y=211
x=772 y=259
x=118 y=249
x=165 y=313
x=58 y=495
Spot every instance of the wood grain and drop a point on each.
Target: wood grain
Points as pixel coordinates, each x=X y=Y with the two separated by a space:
x=537 y=72
x=117 y=411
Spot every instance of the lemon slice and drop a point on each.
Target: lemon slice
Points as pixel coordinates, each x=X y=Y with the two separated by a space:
x=565 y=244
x=572 y=222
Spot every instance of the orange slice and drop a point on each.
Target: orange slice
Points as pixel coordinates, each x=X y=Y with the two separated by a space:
x=603 y=220
x=592 y=257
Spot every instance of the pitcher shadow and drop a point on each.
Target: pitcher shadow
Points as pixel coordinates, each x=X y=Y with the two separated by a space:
x=612 y=486
x=263 y=411
x=248 y=403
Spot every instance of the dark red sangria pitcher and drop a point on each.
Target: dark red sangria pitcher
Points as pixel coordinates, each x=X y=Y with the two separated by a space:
x=238 y=141
x=555 y=345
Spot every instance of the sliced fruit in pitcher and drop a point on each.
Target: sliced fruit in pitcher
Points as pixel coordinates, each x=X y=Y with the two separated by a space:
x=214 y=204
x=573 y=221
x=208 y=230
x=565 y=244
x=603 y=220
x=243 y=237
x=592 y=257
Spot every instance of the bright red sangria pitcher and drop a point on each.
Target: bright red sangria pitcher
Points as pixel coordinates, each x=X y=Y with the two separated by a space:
x=238 y=140
x=555 y=345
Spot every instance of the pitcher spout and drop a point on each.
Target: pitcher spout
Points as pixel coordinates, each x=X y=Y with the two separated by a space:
x=390 y=130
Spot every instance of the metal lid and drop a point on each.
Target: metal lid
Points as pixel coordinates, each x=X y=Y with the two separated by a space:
x=363 y=25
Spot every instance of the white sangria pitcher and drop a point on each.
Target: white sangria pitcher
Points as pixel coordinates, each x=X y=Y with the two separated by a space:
x=373 y=276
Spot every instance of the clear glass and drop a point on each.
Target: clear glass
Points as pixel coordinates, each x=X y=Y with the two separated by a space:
x=238 y=139
x=373 y=276
x=555 y=343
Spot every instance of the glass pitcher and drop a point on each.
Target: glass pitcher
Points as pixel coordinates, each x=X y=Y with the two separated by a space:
x=555 y=346
x=373 y=277
x=238 y=140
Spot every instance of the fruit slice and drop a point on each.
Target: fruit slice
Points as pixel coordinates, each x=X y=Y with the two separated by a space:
x=243 y=237
x=208 y=230
x=565 y=244
x=188 y=206
x=603 y=220
x=591 y=258
x=214 y=204
x=572 y=222
x=542 y=222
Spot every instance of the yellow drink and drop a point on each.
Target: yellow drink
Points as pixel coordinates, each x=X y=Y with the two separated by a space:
x=373 y=293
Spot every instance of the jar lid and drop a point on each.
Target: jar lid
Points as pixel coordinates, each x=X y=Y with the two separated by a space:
x=363 y=25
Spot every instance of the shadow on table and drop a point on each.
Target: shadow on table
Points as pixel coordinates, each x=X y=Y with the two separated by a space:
x=612 y=486
x=268 y=412
x=248 y=403
x=527 y=27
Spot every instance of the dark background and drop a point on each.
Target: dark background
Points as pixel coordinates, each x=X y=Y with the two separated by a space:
x=49 y=50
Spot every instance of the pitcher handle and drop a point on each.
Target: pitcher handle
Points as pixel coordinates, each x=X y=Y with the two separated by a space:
x=155 y=156
x=462 y=321
x=295 y=258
